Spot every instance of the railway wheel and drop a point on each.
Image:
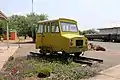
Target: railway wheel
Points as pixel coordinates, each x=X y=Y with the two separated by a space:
x=43 y=52
x=54 y=52
x=77 y=54
x=66 y=57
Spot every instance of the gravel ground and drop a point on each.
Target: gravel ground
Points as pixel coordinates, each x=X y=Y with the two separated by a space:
x=113 y=47
x=25 y=49
x=110 y=58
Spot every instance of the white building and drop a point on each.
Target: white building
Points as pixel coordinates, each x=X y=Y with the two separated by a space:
x=113 y=30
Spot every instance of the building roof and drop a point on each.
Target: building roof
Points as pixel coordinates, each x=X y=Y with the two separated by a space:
x=108 y=28
x=2 y=16
x=113 y=25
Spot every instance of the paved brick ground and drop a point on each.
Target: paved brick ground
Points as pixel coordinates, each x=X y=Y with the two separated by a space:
x=6 y=53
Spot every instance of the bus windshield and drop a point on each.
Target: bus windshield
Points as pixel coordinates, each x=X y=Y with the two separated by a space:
x=68 y=27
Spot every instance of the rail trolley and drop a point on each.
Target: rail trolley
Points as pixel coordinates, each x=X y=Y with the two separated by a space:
x=60 y=35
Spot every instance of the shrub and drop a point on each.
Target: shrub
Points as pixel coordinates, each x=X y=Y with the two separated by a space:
x=43 y=68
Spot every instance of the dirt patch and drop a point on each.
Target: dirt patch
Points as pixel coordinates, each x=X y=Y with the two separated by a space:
x=95 y=47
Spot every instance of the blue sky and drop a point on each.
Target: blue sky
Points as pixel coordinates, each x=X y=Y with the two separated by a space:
x=88 y=13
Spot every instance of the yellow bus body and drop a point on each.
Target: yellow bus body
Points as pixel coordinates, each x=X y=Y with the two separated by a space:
x=68 y=41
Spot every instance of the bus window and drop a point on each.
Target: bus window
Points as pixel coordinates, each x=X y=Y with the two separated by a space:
x=40 y=28
x=45 y=28
x=66 y=26
x=48 y=27
x=55 y=27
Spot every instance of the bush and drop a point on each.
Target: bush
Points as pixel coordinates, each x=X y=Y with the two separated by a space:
x=1 y=78
x=42 y=70
x=57 y=70
x=45 y=72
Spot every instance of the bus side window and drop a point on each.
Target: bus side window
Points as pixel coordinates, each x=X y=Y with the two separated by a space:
x=55 y=27
x=45 y=27
x=40 y=28
x=48 y=27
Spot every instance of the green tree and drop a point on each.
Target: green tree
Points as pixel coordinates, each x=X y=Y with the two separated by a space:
x=80 y=32
x=33 y=19
x=24 y=24
x=18 y=22
x=2 y=27
x=89 y=31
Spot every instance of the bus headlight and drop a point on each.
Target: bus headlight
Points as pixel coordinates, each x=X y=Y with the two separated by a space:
x=86 y=41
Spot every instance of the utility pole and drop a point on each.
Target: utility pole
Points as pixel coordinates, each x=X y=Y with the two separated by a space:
x=7 y=35
x=2 y=16
x=32 y=14
x=32 y=6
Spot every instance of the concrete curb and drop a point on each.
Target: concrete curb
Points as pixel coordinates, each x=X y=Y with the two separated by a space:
x=108 y=74
x=113 y=72
x=110 y=68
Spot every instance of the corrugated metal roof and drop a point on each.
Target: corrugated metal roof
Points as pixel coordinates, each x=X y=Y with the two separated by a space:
x=113 y=25
x=2 y=16
x=108 y=28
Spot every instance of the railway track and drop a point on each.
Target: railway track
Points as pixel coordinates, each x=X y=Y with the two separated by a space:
x=86 y=60
x=81 y=59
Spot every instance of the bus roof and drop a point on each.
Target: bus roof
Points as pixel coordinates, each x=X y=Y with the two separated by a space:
x=56 y=20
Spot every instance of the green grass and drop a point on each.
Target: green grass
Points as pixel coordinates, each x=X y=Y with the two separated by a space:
x=57 y=69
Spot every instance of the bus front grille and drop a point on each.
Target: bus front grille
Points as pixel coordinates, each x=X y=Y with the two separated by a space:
x=79 y=43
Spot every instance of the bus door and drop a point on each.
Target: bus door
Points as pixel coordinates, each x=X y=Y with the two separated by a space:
x=50 y=34
x=46 y=36
x=39 y=36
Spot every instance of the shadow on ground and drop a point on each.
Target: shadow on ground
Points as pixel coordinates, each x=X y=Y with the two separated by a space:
x=23 y=42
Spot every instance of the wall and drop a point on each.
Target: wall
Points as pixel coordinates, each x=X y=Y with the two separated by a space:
x=110 y=31
x=119 y=31
x=13 y=36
